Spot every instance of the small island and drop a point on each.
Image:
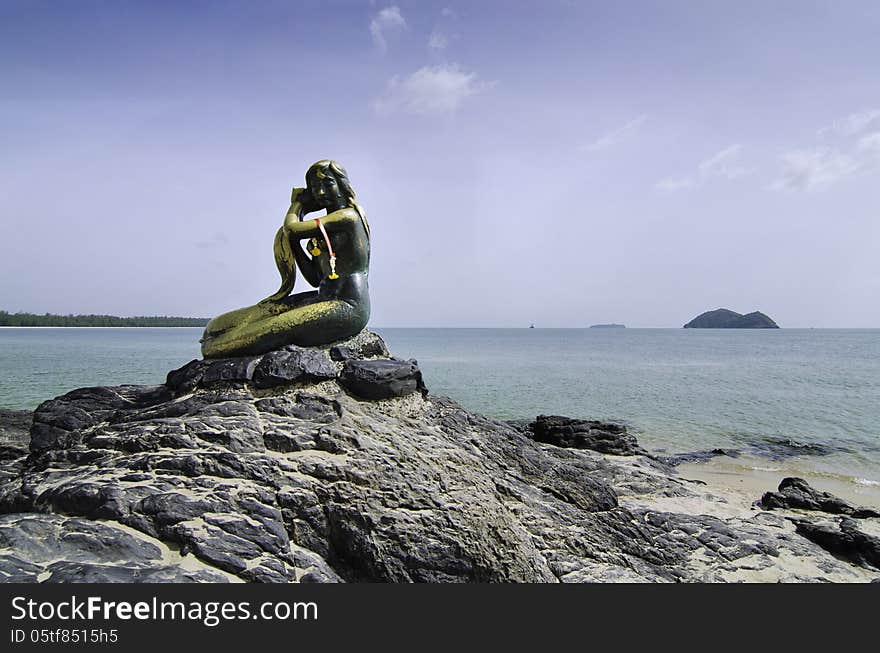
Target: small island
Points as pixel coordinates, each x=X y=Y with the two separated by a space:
x=608 y=326
x=723 y=318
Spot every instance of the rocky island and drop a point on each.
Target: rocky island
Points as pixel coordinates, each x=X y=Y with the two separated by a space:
x=333 y=463
x=723 y=318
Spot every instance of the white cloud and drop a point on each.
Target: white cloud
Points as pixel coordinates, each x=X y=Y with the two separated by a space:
x=724 y=164
x=437 y=41
x=853 y=148
x=387 y=21
x=814 y=169
x=853 y=124
x=617 y=135
x=429 y=90
x=869 y=144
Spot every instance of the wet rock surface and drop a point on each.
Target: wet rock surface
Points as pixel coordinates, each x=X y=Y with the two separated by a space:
x=797 y=494
x=304 y=481
x=674 y=460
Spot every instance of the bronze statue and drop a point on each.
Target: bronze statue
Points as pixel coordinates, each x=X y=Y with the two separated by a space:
x=336 y=263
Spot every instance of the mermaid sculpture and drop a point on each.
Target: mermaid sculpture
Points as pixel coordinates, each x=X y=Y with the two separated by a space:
x=336 y=263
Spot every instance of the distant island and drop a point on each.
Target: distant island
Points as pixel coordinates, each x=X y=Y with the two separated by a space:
x=723 y=318
x=49 y=320
x=608 y=326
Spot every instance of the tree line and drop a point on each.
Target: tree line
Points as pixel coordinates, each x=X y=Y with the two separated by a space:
x=48 y=319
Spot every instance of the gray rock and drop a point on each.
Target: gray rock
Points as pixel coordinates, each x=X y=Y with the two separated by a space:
x=57 y=549
x=364 y=345
x=674 y=460
x=382 y=379
x=15 y=426
x=603 y=437
x=197 y=481
x=186 y=378
x=845 y=540
x=293 y=364
x=229 y=370
x=796 y=493
x=15 y=437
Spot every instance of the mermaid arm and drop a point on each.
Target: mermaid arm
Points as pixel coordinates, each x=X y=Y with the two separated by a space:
x=308 y=266
x=336 y=221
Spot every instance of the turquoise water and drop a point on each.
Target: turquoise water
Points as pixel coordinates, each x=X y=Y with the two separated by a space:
x=679 y=389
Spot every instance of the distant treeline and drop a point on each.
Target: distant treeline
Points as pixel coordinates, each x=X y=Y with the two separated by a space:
x=34 y=320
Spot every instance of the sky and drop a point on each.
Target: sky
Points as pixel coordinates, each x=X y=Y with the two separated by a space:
x=556 y=163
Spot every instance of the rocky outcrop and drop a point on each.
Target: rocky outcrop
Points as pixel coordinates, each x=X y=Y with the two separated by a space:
x=603 y=437
x=382 y=379
x=797 y=494
x=57 y=549
x=218 y=476
x=723 y=318
x=844 y=539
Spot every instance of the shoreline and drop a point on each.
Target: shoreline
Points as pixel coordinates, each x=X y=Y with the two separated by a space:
x=101 y=327
x=752 y=477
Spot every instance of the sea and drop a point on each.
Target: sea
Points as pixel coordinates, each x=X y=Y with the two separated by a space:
x=789 y=401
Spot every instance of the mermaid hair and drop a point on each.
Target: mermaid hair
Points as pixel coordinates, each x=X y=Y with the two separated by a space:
x=326 y=166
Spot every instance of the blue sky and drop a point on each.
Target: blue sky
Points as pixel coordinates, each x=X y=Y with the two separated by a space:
x=562 y=163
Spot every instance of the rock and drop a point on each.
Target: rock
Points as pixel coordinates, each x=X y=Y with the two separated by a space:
x=293 y=364
x=796 y=493
x=844 y=539
x=382 y=379
x=227 y=370
x=199 y=481
x=696 y=456
x=603 y=437
x=59 y=422
x=15 y=426
x=366 y=344
x=723 y=318
x=59 y=549
x=186 y=378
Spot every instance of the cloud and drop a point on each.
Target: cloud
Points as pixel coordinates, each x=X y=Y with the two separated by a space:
x=853 y=124
x=614 y=137
x=429 y=90
x=437 y=41
x=723 y=164
x=387 y=21
x=814 y=169
x=869 y=144
x=854 y=147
